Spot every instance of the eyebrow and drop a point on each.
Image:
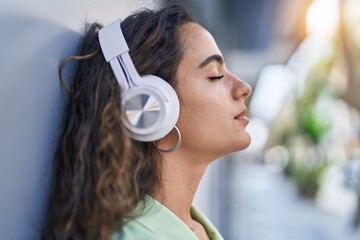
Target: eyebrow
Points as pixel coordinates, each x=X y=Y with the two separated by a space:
x=216 y=58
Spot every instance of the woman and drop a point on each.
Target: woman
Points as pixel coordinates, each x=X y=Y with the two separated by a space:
x=110 y=185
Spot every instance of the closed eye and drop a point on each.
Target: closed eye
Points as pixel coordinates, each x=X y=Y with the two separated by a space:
x=216 y=77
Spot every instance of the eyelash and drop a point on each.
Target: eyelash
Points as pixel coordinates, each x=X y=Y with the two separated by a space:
x=217 y=77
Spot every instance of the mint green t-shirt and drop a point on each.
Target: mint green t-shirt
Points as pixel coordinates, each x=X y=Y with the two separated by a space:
x=155 y=221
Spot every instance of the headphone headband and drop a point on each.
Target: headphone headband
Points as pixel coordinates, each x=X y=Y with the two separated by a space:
x=112 y=41
x=116 y=51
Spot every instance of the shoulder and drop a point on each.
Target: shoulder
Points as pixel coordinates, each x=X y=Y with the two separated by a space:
x=134 y=230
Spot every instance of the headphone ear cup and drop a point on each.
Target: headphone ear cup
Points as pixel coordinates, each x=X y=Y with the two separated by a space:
x=150 y=109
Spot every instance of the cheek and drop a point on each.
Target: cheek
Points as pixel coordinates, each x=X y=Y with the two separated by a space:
x=200 y=114
x=203 y=104
x=201 y=117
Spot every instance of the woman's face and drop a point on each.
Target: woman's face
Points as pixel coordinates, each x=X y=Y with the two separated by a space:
x=212 y=100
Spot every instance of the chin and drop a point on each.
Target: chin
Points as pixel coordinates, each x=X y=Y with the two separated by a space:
x=244 y=142
x=235 y=145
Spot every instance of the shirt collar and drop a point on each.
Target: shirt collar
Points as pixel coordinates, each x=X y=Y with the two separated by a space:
x=211 y=230
x=160 y=220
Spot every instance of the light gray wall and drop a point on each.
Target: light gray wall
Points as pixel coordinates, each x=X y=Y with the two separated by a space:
x=34 y=37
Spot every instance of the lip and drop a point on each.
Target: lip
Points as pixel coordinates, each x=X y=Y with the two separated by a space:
x=242 y=116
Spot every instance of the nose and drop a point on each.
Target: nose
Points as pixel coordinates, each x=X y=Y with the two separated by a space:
x=240 y=89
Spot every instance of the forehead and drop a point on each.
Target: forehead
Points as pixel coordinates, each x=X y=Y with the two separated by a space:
x=198 y=44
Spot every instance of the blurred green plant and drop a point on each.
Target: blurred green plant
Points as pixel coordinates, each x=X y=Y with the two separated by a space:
x=312 y=124
x=307 y=178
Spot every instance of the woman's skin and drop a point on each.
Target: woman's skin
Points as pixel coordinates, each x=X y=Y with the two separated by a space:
x=212 y=122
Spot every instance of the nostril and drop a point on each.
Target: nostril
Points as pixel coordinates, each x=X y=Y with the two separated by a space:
x=241 y=89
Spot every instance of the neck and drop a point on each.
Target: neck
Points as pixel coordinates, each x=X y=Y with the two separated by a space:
x=180 y=178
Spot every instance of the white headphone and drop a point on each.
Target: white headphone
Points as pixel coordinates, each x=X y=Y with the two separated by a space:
x=150 y=106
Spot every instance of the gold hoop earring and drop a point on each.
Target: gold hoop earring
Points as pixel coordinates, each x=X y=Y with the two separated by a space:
x=174 y=148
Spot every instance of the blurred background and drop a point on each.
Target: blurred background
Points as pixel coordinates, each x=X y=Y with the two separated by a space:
x=300 y=177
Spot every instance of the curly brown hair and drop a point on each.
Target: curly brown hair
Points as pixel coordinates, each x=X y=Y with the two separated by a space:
x=100 y=173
